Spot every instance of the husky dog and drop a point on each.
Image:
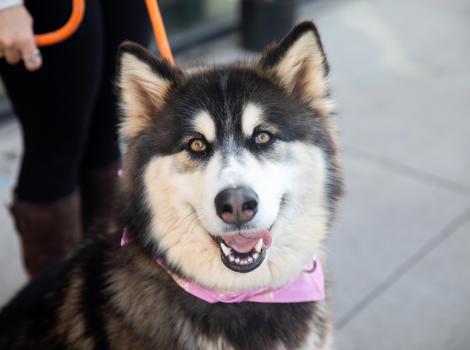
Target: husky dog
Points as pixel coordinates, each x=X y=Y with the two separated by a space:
x=230 y=182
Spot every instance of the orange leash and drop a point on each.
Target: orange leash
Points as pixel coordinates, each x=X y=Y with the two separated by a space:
x=159 y=30
x=70 y=27
x=76 y=18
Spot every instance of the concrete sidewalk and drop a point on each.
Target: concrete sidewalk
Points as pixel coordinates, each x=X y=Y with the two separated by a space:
x=401 y=249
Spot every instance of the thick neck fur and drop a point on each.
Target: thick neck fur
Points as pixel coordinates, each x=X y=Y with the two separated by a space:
x=142 y=291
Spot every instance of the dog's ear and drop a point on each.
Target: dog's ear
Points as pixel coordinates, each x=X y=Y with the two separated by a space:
x=144 y=81
x=299 y=63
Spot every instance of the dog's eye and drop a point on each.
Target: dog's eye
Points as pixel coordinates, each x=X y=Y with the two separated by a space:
x=263 y=138
x=197 y=145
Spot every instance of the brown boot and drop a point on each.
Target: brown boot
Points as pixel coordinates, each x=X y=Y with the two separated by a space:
x=98 y=188
x=48 y=231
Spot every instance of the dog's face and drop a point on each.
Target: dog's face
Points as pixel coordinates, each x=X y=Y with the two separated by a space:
x=230 y=173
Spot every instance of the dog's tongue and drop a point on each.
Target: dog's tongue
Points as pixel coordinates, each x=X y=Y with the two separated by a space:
x=244 y=243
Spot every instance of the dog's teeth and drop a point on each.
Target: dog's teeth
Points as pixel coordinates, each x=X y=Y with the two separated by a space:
x=255 y=256
x=250 y=260
x=231 y=258
x=259 y=245
x=225 y=249
x=237 y=260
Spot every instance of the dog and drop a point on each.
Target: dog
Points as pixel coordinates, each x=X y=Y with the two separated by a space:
x=229 y=188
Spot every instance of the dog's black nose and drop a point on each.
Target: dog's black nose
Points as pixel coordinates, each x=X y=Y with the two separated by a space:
x=236 y=205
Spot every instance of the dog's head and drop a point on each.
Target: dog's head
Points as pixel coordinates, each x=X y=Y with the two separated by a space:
x=230 y=172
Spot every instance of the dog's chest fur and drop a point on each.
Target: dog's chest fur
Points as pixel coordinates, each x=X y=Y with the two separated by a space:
x=119 y=298
x=177 y=320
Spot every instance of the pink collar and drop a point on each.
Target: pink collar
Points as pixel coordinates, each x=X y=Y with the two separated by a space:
x=309 y=286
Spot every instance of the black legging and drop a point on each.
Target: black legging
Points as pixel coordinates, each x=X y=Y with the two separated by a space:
x=67 y=109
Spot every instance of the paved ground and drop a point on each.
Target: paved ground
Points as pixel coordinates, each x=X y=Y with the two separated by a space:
x=401 y=250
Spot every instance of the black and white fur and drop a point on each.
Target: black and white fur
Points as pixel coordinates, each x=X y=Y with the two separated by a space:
x=167 y=204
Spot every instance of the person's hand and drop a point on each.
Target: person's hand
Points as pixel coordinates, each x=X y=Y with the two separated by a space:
x=17 y=38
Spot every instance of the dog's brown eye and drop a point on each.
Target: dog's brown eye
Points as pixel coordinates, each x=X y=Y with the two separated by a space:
x=263 y=138
x=197 y=145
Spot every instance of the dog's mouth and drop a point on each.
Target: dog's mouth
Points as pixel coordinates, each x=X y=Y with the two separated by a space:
x=245 y=251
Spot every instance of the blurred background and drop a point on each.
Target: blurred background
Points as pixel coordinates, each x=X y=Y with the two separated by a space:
x=400 y=75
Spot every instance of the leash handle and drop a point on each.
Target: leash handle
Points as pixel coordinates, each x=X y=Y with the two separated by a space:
x=159 y=30
x=70 y=27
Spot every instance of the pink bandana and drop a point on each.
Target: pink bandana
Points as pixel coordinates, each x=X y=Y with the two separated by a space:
x=309 y=286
